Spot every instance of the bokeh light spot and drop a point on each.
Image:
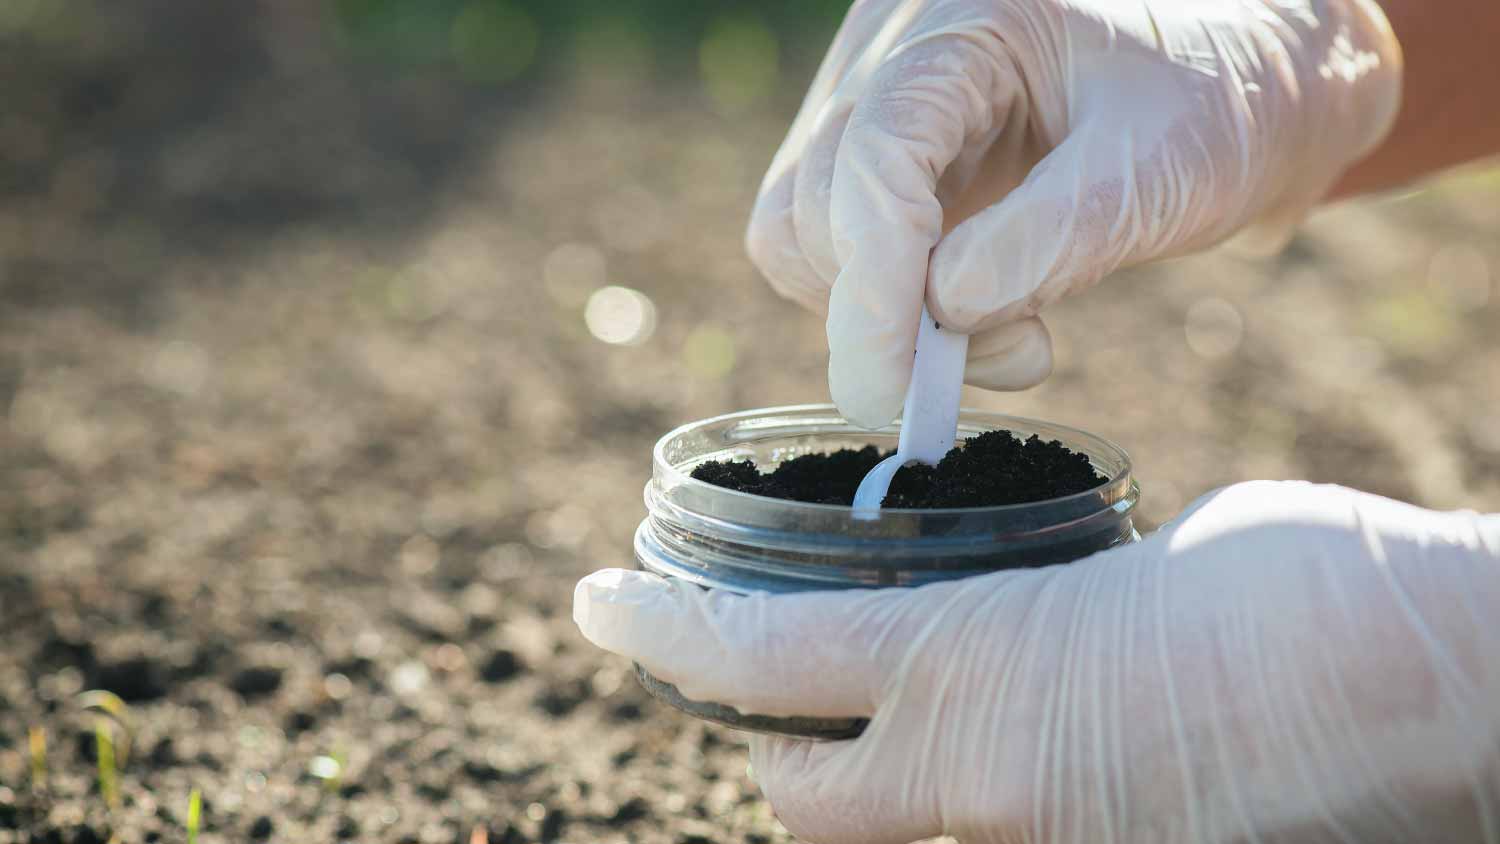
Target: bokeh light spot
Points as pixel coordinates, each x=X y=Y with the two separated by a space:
x=709 y=350
x=325 y=768
x=620 y=316
x=738 y=59
x=337 y=686
x=493 y=42
x=449 y=657
x=1214 y=328
x=607 y=681
x=408 y=678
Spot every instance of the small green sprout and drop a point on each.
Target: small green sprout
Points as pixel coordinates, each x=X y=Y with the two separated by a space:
x=104 y=743
x=194 y=815
x=37 y=741
x=110 y=704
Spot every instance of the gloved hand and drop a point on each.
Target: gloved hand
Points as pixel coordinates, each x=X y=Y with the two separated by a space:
x=1142 y=130
x=1282 y=662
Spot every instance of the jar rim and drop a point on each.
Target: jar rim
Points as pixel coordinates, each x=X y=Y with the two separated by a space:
x=665 y=470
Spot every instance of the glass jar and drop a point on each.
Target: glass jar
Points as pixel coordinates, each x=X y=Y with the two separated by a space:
x=722 y=539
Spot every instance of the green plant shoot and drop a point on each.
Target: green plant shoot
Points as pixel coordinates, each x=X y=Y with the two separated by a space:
x=112 y=705
x=104 y=743
x=194 y=815
x=37 y=742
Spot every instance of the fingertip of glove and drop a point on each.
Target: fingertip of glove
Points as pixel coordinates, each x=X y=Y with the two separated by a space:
x=863 y=398
x=868 y=371
x=605 y=603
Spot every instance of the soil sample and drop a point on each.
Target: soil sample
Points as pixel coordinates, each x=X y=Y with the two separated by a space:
x=991 y=469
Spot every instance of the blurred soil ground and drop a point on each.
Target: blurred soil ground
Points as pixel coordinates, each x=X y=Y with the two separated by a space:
x=304 y=437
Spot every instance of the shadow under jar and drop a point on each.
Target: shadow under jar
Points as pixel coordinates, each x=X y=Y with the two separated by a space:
x=721 y=539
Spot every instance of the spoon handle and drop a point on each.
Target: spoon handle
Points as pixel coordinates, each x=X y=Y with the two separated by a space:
x=929 y=422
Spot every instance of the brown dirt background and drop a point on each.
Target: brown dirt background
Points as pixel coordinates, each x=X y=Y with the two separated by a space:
x=304 y=440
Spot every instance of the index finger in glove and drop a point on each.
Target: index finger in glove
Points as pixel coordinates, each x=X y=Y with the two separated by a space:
x=921 y=107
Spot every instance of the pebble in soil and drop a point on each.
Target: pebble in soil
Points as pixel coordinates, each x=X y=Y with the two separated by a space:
x=991 y=469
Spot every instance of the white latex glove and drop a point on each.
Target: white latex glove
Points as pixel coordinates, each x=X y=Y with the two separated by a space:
x=1142 y=130
x=1284 y=662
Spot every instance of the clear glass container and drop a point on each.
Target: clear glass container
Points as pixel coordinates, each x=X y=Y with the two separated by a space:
x=722 y=539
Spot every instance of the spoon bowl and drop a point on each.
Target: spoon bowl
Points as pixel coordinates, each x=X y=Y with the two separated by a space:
x=872 y=490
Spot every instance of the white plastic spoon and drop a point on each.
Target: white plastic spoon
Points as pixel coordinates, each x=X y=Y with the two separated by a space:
x=929 y=420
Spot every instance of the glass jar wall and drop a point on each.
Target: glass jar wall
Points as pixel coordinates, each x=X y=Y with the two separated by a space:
x=722 y=539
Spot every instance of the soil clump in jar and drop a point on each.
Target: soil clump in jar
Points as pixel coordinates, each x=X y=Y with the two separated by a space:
x=992 y=469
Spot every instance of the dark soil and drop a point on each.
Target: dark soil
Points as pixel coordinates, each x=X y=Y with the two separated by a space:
x=992 y=469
